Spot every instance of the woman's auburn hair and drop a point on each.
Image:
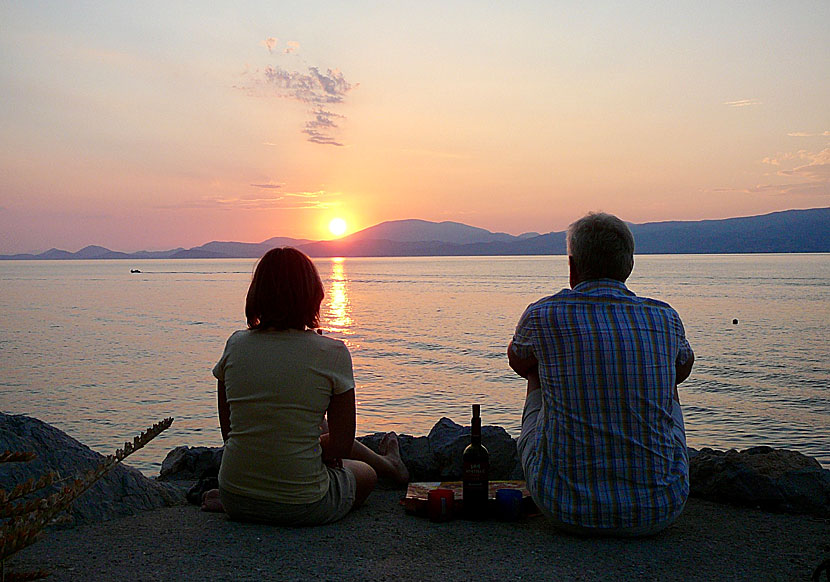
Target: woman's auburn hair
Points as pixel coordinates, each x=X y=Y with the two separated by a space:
x=285 y=292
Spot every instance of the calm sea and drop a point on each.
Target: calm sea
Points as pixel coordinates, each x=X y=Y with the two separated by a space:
x=103 y=353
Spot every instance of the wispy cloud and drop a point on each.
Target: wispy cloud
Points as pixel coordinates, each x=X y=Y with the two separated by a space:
x=785 y=157
x=282 y=201
x=812 y=158
x=817 y=168
x=808 y=134
x=788 y=190
x=321 y=90
x=267 y=186
x=438 y=154
x=312 y=87
x=811 y=169
x=291 y=46
x=320 y=127
x=269 y=43
x=742 y=103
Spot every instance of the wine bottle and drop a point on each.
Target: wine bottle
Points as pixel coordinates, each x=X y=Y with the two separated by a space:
x=476 y=480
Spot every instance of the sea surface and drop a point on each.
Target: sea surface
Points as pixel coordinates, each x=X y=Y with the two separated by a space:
x=103 y=353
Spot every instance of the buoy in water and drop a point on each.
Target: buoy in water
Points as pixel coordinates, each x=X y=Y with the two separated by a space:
x=734 y=322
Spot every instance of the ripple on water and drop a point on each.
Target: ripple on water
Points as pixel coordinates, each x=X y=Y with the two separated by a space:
x=105 y=357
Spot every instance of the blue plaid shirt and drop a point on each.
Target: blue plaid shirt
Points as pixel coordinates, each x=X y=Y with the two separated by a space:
x=606 y=456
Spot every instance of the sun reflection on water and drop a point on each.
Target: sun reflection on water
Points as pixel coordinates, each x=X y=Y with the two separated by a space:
x=338 y=307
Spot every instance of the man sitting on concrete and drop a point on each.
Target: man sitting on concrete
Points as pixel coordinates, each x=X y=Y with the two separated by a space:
x=603 y=444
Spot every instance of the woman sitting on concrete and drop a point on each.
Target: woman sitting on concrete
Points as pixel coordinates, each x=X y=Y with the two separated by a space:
x=279 y=381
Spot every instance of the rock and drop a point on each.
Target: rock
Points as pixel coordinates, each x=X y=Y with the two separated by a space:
x=437 y=456
x=199 y=464
x=772 y=479
x=120 y=492
x=191 y=463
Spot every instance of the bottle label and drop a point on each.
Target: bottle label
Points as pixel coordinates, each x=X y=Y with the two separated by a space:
x=475 y=472
x=476 y=489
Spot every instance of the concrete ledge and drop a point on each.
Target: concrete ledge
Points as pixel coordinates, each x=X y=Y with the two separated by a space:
x=381 y=542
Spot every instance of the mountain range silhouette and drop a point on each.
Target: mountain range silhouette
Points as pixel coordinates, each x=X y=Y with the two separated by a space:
x=789 y=231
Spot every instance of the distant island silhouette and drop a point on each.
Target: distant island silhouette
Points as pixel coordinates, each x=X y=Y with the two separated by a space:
x=789 y=231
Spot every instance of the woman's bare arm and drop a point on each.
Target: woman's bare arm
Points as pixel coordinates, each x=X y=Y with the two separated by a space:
x=341 y=418
x=224 y=411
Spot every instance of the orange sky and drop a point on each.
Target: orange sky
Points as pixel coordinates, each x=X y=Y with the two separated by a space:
x=157 y=126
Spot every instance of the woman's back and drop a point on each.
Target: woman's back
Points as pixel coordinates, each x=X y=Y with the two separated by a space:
x=278 y=386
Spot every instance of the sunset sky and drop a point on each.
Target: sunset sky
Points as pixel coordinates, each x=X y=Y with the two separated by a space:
x=153 y=125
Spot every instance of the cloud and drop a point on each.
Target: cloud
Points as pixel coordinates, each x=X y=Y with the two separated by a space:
x=822 y=157
x=313 y=87
x=318 y=194
x=808 y=134
x=291 y=46
x=812 y=169
x=319 y=127
x=796 y=189
x=816 y=170
x=320 y=90
x=779 y=159
x=267 y=186
x=742 y=103
x=438 y=154
x=282 y=201
x=269 y=43
x=320 y=137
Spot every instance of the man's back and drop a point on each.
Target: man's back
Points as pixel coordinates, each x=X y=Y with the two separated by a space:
x=608 y=454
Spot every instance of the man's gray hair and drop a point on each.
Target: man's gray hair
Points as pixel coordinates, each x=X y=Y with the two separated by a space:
x=602 y=247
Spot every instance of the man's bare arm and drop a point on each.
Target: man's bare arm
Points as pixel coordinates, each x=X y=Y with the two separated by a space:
x=682 y=371
x=522 y=366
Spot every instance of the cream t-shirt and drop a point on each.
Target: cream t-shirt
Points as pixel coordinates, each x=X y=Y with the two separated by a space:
x=278 y=385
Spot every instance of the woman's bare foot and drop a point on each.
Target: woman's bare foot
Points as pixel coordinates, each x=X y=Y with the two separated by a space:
x=211 y=501
x=390 y=451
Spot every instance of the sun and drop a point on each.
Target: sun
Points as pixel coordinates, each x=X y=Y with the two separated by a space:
x=338 y=226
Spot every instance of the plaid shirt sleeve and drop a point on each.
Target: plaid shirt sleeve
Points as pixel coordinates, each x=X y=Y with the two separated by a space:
x=685 y=351
x=522 y=344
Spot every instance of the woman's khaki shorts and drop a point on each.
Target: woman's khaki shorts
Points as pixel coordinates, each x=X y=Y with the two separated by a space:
x=333 y=506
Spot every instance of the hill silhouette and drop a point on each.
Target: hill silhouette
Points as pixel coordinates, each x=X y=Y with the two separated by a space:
x=789 y=231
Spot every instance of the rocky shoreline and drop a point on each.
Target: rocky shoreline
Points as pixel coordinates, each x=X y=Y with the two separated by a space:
x=121 y=492
x=158 y=536
x=771 y=479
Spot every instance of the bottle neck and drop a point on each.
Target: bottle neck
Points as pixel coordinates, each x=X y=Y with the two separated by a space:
x=475 y=431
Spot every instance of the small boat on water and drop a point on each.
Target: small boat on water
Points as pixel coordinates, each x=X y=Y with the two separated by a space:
x=134 y=271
